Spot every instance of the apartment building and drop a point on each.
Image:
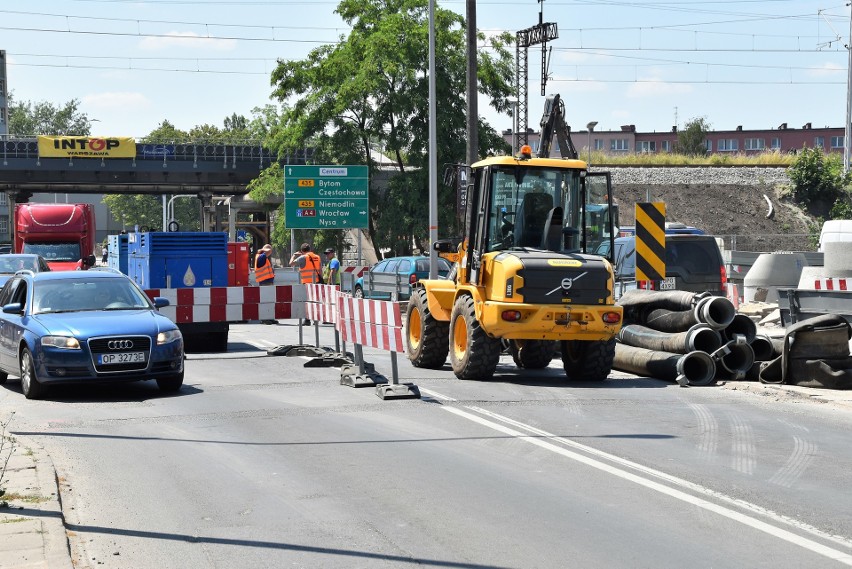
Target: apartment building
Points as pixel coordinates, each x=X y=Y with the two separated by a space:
x=737 y=141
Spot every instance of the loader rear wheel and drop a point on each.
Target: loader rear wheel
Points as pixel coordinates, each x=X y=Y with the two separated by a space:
x=588 y=360
x=532 y=354
x=473 y=354
x=427 y=339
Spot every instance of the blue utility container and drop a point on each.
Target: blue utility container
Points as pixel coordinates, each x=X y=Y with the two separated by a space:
x=117 y=251
x=178 y=259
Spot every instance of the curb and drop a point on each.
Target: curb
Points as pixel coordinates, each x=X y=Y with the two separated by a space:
x=37 y=538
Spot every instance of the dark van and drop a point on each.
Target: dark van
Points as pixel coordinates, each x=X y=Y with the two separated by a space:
x=693 y=263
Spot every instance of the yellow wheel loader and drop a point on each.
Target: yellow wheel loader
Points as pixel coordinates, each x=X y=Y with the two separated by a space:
x=527 y=274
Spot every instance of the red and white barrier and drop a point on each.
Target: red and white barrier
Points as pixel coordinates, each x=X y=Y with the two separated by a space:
x=321 y=302
x=232 y=304
x=832 y=284
x=371 y=323
x=356 y=270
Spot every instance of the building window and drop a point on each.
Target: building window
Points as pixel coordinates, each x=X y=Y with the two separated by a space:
x=646 y=146
x=599 y=144
x=618 y=145
x=4 y=226
x=819 y=142
x=837 y=142
x=3 y=199
x=667 y=145
x=727 y=145
x=709 y=145
x=755 y=144
x=776 y=143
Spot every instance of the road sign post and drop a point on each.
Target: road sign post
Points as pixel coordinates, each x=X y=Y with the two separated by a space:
x=326 y=197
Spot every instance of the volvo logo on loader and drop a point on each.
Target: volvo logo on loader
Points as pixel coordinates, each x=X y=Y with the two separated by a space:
x=567 y=283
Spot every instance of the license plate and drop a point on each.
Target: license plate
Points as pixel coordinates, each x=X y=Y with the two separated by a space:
x=667 y=283
x=122 y=358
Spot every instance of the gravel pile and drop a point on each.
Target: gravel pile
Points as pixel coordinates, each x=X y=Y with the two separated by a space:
x=716 y=176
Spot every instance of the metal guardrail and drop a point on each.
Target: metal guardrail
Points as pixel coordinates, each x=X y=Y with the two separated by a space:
x=392 y=284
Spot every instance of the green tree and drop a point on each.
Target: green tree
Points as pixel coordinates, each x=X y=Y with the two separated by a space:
x=146 y=210
x=692 y=140
x=27 y=118
x=368 y=94
x=818 y=179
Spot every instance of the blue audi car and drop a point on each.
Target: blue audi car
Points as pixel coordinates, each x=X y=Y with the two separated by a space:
x=85 y=327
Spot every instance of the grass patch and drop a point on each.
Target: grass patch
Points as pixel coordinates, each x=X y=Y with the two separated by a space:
x=669 y=159
x=14 y=520
x=26 y=498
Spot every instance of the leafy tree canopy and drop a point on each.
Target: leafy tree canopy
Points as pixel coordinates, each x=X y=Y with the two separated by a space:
x=27 y=118
x=692 y=140
x=368 y=94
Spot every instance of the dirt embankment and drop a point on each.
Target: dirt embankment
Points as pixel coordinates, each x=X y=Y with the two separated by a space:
x=732 y=207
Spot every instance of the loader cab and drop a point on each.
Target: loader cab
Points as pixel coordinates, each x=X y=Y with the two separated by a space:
x=552 y=205
x=536 y=205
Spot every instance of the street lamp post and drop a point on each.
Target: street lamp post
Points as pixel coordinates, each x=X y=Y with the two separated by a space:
x=591 y=126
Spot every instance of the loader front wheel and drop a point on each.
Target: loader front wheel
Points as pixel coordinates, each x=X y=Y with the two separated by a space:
x=588 y=360
x=532 y=354
x=427 y=339
x=473 y=354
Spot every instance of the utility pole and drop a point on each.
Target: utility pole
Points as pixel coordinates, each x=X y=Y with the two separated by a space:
x=472 y=91
x=848 y=133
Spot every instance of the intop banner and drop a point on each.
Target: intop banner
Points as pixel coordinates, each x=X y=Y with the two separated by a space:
x=86 y=147
x=326 y=197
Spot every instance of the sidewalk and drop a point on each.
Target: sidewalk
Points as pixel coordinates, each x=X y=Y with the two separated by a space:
x=32 y=534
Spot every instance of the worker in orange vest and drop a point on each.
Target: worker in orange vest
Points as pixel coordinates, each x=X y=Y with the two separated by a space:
x=263 y=271
x=264 y=274
x=309 y=265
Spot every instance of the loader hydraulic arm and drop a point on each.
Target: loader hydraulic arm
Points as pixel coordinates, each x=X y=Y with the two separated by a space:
x=553 y=122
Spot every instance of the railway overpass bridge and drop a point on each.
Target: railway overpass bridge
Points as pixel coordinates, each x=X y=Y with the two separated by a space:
x=213 y=172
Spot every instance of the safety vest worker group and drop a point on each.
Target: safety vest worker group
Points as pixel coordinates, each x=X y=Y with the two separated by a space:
x=310 y=273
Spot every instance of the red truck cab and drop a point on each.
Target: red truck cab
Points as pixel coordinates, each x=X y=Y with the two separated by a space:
x=64 y=234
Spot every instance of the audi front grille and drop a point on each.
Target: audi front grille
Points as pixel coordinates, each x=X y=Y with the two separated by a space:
x=116 y=345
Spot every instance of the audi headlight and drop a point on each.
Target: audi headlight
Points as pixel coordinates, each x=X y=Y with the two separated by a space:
x=168 y=336
x=60 y=342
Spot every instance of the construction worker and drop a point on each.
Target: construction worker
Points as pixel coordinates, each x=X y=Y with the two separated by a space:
x=264 y=274
x=309 y=265
x=331 y=271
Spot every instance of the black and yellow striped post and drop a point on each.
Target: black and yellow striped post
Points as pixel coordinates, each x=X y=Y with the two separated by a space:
x=650 y=244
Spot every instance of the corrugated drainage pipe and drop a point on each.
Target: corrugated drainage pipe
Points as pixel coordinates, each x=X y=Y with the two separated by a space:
x=699 y=337
x=763 y=349
x=694 y=368
x=733 y=360
x=741 y=324
x=716 y=311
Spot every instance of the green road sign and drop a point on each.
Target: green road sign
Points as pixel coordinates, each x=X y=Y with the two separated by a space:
x=326 y=197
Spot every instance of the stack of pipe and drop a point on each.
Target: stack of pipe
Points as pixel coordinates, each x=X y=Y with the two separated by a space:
x=690 y=338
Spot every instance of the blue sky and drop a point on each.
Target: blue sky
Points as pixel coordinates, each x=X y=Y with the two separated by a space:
x=651 y=63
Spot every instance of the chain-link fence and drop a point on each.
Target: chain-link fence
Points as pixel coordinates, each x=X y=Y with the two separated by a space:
x=771 y=242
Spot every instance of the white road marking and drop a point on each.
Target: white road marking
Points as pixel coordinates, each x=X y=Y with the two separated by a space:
x=648 y=482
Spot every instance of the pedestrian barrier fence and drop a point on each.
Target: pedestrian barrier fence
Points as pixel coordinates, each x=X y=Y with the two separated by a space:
x=349 y=274
x=231 y=304
x=372 y=323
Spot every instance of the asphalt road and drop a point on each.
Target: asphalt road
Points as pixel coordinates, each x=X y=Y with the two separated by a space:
x=262 y=462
